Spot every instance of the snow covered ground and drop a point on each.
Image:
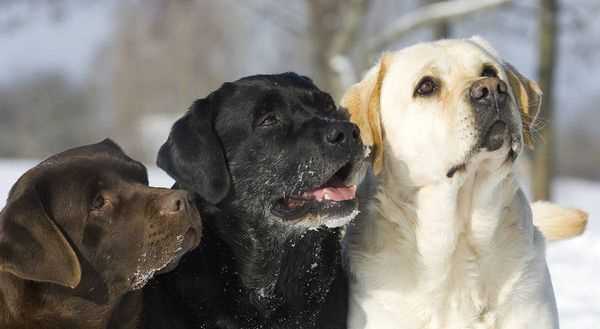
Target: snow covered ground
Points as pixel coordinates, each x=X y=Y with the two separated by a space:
x=574 y=264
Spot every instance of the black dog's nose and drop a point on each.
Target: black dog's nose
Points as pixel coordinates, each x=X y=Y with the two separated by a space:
x=174 y=202
x=342 y=132
x=489 y=91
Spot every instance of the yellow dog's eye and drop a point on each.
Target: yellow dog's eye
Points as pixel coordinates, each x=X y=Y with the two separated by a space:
x=426 y=87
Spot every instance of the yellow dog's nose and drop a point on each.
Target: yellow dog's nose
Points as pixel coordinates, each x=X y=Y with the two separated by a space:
x=489 y=91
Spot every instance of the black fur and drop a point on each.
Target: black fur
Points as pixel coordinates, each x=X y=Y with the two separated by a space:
x=240 y=149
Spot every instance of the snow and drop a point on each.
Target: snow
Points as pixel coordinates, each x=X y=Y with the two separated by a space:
x=574 y=264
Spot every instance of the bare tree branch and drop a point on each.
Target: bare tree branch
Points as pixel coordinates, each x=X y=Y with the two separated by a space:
x=430 y=15
x=346 y=35
x=343 y=73
x=543 y=161
x=341 y=67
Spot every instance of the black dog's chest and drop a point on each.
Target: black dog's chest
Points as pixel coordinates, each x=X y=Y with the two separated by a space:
x=207 y=292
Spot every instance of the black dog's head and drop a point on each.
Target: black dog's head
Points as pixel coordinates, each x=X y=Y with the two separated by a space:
x=86 y=216
x=269 y=147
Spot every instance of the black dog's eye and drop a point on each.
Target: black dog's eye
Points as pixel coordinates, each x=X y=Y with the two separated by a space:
x=268 y=120
x=426 y=87
x=489 y=71
x=99 y=202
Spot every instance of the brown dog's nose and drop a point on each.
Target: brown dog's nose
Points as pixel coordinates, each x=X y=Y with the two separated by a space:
x=341 y=133
x=174 y=202
x=489 y=91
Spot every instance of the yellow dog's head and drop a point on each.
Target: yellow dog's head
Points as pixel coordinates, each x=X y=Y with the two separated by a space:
x=441 y=104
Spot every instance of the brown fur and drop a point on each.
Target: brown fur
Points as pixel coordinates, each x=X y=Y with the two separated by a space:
x=68 y=260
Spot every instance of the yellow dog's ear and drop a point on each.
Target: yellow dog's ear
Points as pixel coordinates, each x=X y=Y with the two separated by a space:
x=363 y=102
x=528 y=96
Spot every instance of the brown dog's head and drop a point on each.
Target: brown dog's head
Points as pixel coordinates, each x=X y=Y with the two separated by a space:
x=89 y=212
x=441 y=103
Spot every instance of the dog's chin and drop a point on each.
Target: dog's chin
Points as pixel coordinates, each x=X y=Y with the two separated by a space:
x=320 y=213
x=331 y=203
x=163 y=258
x=191 y=240
x=499 y=142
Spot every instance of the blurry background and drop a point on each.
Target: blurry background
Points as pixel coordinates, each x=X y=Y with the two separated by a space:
x=73 y=72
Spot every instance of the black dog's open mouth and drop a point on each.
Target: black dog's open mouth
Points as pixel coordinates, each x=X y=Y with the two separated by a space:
x=327 y=202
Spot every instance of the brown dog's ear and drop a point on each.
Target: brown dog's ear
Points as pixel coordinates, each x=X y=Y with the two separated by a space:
x=363 y=102
x=528 y=96
x=32 y=247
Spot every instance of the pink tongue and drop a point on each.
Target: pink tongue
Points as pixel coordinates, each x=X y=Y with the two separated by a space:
x=334 y=193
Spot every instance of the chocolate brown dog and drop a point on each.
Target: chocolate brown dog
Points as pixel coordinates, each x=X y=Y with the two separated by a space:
x=80 y=235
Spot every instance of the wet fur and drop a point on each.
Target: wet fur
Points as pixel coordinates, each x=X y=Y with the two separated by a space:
x=253 y=270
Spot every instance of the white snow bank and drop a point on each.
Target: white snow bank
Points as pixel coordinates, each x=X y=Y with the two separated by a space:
x=575 y=264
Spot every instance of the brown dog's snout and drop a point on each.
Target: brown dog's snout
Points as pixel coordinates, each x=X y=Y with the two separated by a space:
x=342 y=133
x=489 y=91
x=173 y=202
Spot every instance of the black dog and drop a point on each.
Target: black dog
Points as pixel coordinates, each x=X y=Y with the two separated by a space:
x=274 y=164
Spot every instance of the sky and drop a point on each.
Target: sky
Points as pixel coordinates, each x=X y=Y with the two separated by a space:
x=43 y=43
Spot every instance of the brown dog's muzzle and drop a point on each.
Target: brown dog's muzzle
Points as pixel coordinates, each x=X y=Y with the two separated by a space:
x=177 y=225
x=173 y=230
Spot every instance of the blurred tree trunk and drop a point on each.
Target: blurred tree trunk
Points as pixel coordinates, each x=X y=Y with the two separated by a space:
x=334 y=27
x=543 y=160
x=322 y=17
x=441 y=30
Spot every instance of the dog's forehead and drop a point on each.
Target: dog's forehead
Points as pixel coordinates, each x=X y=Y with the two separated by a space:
x=77 y=166
x=442 y=58
x=264 y=95
x=82 y=174
x=303 y=92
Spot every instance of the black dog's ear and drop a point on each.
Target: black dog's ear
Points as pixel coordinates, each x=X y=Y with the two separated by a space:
x=193 y=154
x=32 y=247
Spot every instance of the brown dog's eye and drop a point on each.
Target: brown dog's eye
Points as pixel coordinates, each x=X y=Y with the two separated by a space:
x=426 y=87
x=268 y=120
x=489 y=71
x=98 y=203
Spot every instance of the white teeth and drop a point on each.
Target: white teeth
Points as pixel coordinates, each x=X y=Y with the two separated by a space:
x=326 y=196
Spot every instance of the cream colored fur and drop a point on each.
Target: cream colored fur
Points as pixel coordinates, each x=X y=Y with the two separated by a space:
x=439 y=252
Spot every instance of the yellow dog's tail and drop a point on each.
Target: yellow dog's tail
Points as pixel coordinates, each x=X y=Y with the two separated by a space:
x=556 y=222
